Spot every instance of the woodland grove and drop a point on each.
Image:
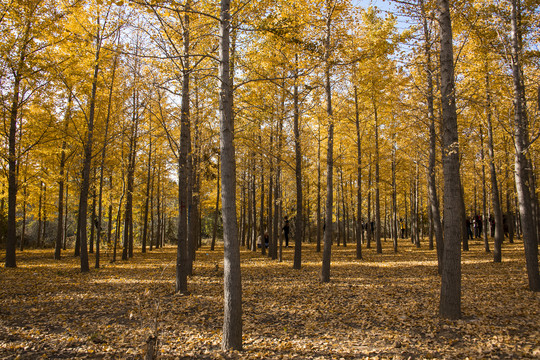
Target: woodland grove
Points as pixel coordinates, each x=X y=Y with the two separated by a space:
x=320 y=134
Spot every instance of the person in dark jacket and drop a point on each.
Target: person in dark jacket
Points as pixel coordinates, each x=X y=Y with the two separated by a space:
x=286 y=230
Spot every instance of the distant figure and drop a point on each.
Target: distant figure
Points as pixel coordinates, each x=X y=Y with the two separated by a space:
x=469 y=230
x=266 y=239
x=286 y=230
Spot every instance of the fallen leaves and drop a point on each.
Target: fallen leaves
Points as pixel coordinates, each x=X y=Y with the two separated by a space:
x=384 y=307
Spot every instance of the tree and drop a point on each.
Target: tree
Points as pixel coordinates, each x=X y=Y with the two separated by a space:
x=232 y=319
x=525 y=186
x=450 y=298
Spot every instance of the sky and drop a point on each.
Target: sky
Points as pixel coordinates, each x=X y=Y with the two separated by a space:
x=385 y=5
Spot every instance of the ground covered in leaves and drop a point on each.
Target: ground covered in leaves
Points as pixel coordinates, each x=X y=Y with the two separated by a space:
x=382 y=307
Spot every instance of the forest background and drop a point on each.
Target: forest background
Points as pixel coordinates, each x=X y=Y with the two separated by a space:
x=113 y=114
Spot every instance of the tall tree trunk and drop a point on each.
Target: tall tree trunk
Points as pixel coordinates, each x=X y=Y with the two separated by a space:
x=60 y=225
x=432 y=183
x=147 y=193
x=270 y=198
x=262 y=231
x=254 y=196
x=450 y=300
x=232 y=319
x=40 y=217
x=128 y=211
x=344 y=212
x=93 y=217
x=216 y=211
x=369 y=229
x=87 y=161
x=25 y=199
x=417 y=225
x=509 y=214
x=11 y=235
x=66 y=213
x=182 y=253
x=377 y=183
x=522 y=161
x=327 y=251
x=495 y=197
x=277 y=189
x=319 y=227
x=110 y=216
x=359 y=231
x=394 y=196
x=298 y=174
x=159 y=212
x=485 y=223
x=196 y=160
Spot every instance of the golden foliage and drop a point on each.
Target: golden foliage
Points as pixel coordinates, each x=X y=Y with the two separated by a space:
x=384 y=307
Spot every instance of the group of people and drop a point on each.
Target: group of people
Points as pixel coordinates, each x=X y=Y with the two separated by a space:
x=286 y=230
x=475 y=226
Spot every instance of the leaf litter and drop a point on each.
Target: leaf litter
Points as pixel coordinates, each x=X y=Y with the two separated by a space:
x=382 y=307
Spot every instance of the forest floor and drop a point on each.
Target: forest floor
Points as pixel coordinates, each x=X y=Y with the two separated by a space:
x=382 y=307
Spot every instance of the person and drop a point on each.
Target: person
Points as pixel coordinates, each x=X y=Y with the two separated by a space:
x=469 y=231
x=403 y=228
x=266 y=239
x=286 y=230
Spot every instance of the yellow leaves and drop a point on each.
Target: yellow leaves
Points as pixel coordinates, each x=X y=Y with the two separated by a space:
x=381 y=307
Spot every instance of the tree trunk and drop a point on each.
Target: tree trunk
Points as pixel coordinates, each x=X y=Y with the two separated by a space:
x=432 y=183
x=369 y=229
x=485 y=222
x=110 y=216
x=394 y=196
x=216 y=211
x=66 y=213
x=277 y=189
x=232 y=319
x=11 y=235
x=147 y=193
x=40 y=210
x=417 y=224
x=319 y=227
x=359 y=231
x=377 y=183
x=25 y=197
x=495 y=197
x=270 y=198
x=298 y=174
x=254 y=203
x=182 y=253
x=87 y=162
x=327 y=251
x=450 y=300
x=93 y=217
x=522 y=161
x=60 y=225
x=128 y=211
x=262 y=230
